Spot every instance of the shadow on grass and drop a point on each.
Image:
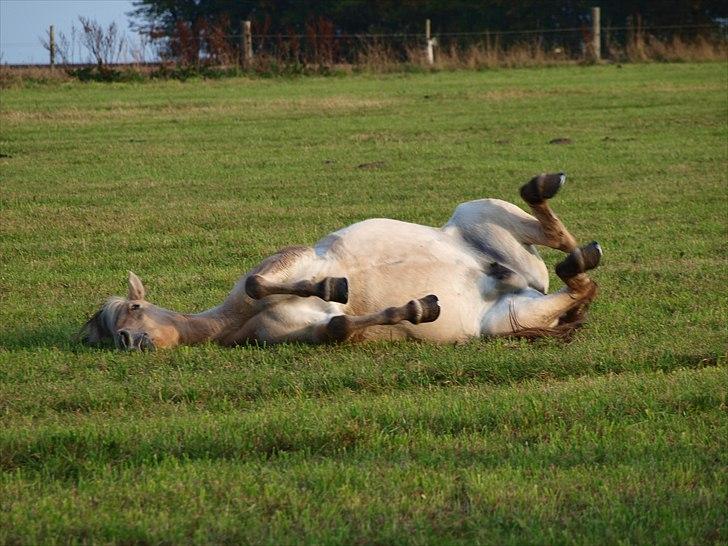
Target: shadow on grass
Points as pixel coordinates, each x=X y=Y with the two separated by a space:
x=697 y=361
x=62 y=336
x=66 y=337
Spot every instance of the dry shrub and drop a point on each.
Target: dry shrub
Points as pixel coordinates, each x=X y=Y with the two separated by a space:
x=641 y=47
x=476 y=56
x=105 y=45
x=288 y=48
x=219 y=47
x=375 y=56
x=66 y=45
x=320 y=52
x=489 y=54
x=19 y=76
x=677 y=49
x=644 y=48
x=184 y=44
x=323 y=47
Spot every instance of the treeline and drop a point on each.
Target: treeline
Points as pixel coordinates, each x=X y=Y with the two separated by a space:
x=161 y=17
x=327 y=32
x=203 y=38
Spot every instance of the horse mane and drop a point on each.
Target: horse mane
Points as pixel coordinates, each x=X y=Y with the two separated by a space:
x=100 y=325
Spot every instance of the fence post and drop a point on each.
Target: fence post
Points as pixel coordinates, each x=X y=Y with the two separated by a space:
x=52 y=45
x=596 y=34
x=247 y=45
x=429 y=51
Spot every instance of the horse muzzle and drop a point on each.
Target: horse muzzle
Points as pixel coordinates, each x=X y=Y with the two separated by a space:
x=133 y=341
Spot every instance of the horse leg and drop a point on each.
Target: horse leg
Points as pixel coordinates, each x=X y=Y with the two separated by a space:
x=549 y=231
x=329 y=289
x=343 y=327
x=569 y=304
x=275 y=274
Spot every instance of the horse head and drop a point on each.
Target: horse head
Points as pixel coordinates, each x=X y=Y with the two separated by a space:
x=132 y=323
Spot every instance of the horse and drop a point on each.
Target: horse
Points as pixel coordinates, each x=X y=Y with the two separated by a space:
x=479 y=275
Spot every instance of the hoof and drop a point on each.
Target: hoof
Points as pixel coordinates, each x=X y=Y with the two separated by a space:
x=334 y=289
x=424 y=309
x=542 y=187
x=580 y=260
x=592 y=255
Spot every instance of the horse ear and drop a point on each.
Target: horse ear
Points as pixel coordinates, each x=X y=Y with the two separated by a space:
x=136 y=288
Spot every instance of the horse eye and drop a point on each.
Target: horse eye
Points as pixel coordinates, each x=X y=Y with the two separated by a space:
x=134 y=306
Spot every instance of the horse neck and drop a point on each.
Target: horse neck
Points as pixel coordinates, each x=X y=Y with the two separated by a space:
x=217 y=323
x=201 y=327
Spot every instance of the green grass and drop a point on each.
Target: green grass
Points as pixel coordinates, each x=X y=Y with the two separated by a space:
x=619 y=437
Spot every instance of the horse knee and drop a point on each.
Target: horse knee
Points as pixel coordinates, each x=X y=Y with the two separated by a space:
x=255 y=287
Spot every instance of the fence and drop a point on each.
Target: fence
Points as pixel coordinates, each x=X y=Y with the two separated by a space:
x=321 y=44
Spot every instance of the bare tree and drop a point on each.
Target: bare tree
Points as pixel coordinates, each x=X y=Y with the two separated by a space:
x=104 y=45
x=65 y=45
x=138 y=49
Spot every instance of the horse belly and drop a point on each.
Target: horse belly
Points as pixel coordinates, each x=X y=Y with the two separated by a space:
x=389 y=263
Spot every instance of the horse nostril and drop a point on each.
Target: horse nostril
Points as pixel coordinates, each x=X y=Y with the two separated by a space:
x=125 y=340
x=146 y=343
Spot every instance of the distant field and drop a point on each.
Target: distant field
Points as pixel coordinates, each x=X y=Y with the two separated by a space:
x=619 y=437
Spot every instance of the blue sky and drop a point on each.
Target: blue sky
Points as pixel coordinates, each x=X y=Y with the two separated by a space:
x=22 y=22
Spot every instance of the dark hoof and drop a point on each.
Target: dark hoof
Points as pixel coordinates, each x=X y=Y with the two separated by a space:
x=542 y=187
x=580 y=260
x=254 y=287
x=334 y=289
x=592 y=255
x=430 y=308
x=424 y=309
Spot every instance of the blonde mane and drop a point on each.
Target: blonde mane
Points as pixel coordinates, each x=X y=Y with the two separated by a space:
x=100 y=326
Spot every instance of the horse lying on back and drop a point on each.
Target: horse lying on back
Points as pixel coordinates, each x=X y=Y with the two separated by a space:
x=478 y=275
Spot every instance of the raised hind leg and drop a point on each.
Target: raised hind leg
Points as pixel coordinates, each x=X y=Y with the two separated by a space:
x=278 y=274
x=550 y=231
x=344 y=327
x=565 y=307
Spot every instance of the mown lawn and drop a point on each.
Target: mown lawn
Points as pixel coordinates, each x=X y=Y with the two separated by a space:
x=619 y=437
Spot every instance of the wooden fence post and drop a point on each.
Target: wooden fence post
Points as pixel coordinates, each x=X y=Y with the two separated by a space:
x=430 y=44
x=247 y=45
x=52 y=45
x=596 y=45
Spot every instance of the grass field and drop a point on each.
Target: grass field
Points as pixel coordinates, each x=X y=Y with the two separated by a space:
x=620 y=437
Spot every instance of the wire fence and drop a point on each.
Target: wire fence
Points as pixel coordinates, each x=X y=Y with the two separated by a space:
x=341 y=47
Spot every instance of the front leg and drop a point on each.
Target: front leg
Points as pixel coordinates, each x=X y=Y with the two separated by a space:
x=291 y=271
x=329 y=289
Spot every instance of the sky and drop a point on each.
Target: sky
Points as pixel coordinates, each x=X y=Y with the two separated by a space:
x=24 y=22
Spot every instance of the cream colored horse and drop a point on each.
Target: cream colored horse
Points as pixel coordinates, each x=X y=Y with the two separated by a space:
x=478 y=275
